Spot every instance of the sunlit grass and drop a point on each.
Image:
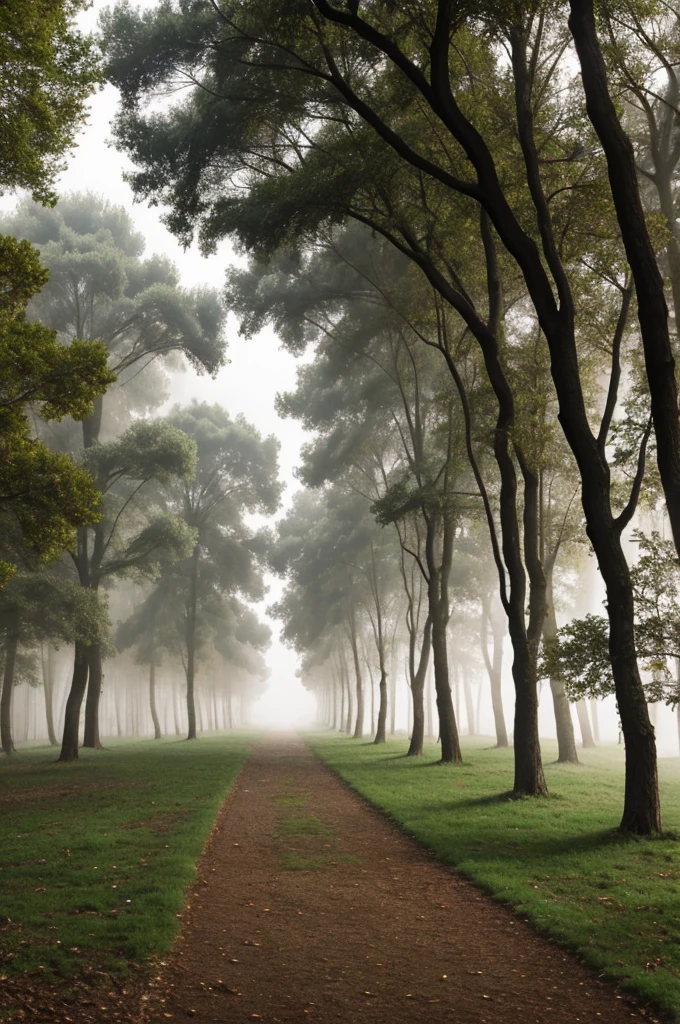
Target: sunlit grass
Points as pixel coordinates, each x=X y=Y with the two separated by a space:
x=559 y=862
x=95 y=856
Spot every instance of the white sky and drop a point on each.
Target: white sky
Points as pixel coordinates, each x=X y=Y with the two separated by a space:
x=256 y=371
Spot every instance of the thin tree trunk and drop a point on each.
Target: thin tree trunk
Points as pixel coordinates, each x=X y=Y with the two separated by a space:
x=494 y=667
x=48 y=685
x=584 y=723
x=595 y=720
x=191 y=644
x=469 y=704
x=11 y=647
x=437 y=594
x=566 y=744
x=157 y=735
x=69 y=742
x=359 y=726
x=418 y=691
x=94 y=689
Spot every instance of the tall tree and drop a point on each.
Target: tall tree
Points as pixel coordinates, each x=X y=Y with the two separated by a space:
x=236 y=475
x=101 y=286
x=442 y=137
x=134 y=536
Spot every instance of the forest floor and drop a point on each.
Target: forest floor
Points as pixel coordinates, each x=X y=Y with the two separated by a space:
x=310 y=905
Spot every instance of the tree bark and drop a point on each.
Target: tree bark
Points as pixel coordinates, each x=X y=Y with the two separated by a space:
x=48 y=686
x=94 y=689
x=191 y=643
x=584 y=724
x=11 y=646
x=566 y=744
x=438 y=608
x=649 y=288
x=418 y=690
x=359 y=724
x=494 y=666
x=69 y=742
x=157 y=735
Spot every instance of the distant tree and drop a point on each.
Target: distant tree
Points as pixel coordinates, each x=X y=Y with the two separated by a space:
x=236 y=474
x=42 y=606
x=133 y=537
x=100 y=286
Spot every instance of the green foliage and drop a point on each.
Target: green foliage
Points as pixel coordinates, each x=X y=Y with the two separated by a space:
x=48 y=71
x=96 y=857
x=147 y=450
x=559 y=862
x=42 y=491
x=101 y=286
x=579 y=654
x=53 y=607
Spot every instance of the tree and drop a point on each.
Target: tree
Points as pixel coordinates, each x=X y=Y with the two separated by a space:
x=134 y=536
x=100 y=286
x=236 y=474
x=48 y=71
x=38 y=606
x=393 y=104
x=44 y=492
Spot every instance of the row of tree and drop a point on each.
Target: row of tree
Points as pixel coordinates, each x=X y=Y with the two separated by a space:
x=102 y=501
x=521 y=160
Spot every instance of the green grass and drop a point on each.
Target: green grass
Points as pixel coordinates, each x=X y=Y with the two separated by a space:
x=95 y=856
x=558 y=862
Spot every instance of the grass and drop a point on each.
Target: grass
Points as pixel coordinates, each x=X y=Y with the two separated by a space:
x=95 y=856
x=558 y=862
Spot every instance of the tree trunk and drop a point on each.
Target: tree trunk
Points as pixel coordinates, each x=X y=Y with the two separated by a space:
x=69 y=742
x=437 y=595
x=191 y=644
x=48 y=685
x=469 y=703
x=157 y=735
x=494 y=666
x=584 y=724
x=595 y=720
x=94 y=690
x=566 y=744
x=649 y=288
x=358 y=727
x=382 y=710
x=11 y=647
x=418 y=690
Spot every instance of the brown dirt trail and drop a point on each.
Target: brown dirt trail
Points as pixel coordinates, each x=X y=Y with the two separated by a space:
x=310 y=906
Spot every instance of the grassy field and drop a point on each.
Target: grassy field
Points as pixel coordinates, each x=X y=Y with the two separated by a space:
x=558 y=861
x=95 y=856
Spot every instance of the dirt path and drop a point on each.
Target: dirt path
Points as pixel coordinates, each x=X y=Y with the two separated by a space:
x=311 y=906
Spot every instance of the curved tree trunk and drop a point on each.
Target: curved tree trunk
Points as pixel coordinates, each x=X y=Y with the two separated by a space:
x=94 y=691
x=418 y=690
x=11 y=647
x=69 y=742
